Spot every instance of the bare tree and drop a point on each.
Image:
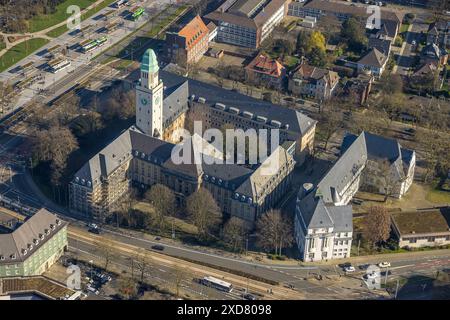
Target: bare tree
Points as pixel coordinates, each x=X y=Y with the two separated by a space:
x=106 y=251
x=377 y=224
x=387 y=178
x=331 y=121
x=273 y=231
x=163 y=201
x=142 y=262
x=234 y=233
x=128 y=287
x=179 y=276
x=203 y=211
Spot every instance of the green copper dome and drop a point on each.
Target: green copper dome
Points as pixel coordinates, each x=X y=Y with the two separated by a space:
x=149 y=62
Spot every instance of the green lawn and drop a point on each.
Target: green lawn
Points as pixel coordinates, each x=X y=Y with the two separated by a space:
x=62 y=29
x=45 y=21
x=2 y=45
x=438 y=196
x=20 y=51
x=404 y=27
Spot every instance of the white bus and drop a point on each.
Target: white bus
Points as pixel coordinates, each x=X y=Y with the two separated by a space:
x=58 y=64
x=217 y=284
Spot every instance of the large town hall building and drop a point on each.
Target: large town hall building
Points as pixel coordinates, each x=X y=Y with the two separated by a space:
x=141 y=156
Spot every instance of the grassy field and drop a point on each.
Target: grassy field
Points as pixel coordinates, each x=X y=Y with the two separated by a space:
x=2 y=45
x=404 y=28
x=42 y=22
x=62 y=29
x=179 y=225
x=20 y=51
x=438 y=196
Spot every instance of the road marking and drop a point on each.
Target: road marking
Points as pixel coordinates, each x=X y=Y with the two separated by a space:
x=405 y=266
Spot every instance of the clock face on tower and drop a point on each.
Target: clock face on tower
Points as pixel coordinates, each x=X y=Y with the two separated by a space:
x=144 y=101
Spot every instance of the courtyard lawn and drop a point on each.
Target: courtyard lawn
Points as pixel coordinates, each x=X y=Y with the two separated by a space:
x=20 y=51
x=45 y=21
x=2 y=45
x=438 y=196
x=62 y=29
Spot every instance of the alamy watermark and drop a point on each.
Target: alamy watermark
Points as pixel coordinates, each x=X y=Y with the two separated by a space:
x=374 y=19
x=373 y=277
x=74 y=279
x=74 y=21
x=235 y=147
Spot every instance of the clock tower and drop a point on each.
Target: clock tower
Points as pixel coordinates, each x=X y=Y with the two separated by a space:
x=149 y=97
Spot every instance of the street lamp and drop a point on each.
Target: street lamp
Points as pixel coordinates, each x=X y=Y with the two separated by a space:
x=90 y=263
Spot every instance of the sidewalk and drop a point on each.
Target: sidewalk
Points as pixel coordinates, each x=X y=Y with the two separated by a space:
x=386 y=257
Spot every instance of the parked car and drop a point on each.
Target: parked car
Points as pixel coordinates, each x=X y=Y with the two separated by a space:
x=249 y=296
x=345 y=265
x=349 y=269
x=158 y=247
x=363 y=266
x=93 y=290
x=384 y=264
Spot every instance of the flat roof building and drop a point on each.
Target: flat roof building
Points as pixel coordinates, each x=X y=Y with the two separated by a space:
x=247 y=23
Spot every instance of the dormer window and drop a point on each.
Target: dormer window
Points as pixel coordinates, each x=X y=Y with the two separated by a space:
x=47 y=232
x=52 y=227
x=24 y=252
x=58 y=222
x=2 y=258
x=36 y=242
x=13 y=256
x=30 y=246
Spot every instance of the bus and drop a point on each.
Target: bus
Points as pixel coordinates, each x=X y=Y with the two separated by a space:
x=137 y=12
x=119 y=4
x=88 y=45
x=216 y=284
x=58 y=64
x=101 y=41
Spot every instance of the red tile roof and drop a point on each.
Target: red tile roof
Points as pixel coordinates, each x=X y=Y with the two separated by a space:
x=267 y=65
x=194 y=31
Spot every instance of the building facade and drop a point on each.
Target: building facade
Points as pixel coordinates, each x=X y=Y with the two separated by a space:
x=322 y=231
x=427 y=228
x=247 y=23
x=34 y=246
x=188 y=45
x=314 y=82
x=141 y=159
x=323 y=218
x=266 y=71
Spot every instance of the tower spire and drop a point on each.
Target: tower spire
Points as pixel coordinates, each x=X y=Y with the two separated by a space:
x=149 y=97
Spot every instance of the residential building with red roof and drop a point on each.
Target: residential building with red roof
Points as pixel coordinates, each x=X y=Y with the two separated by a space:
x=313 y=81
x=265 y=70
x=189 y=44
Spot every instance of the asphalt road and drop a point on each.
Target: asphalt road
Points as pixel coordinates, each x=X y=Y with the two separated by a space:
x=158 y=274
x=407 y=58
